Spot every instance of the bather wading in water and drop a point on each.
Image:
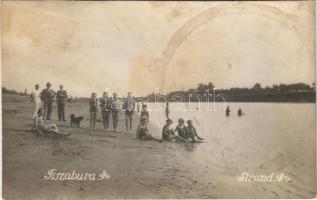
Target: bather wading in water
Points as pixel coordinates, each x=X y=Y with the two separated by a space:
x=143 y=133
x=227 y=111
x=181 y=129
x=191 y=132
x=168 y=133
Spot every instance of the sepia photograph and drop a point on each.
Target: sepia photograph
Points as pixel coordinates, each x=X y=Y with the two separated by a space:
x=158 y=100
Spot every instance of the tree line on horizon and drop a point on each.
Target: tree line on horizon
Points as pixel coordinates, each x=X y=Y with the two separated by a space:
x=8 y=91
x=295 y=92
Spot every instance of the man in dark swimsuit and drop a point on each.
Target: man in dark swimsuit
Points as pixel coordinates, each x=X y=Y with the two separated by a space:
x=105 y=106
x=47 y=97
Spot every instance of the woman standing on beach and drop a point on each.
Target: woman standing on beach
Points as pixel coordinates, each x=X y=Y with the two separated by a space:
x=35 y=96
x=93 y=110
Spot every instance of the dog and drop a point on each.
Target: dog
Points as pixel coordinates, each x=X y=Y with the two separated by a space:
x=75 y=121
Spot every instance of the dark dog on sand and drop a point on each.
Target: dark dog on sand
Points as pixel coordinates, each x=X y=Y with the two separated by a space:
x=75 y=121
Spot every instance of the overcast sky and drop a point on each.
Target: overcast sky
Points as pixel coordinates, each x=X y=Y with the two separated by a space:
x=92 y=46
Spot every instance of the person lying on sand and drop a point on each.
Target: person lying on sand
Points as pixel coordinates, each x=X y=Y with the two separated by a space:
x=168 y=133
x=191 y=132
x=41 y=127
x=142 y=131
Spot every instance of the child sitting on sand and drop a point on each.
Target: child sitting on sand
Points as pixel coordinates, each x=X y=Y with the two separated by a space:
x=41 y=127
x=142 y=132
x=191 y=132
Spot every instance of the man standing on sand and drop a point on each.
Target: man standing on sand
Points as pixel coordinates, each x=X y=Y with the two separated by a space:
x=129 y=106
x=115 y=108
x=105 y=105
x=47 y=97
x=61 y=98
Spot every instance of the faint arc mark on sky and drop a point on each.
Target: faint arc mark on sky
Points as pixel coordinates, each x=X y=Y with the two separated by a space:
x=202 y=18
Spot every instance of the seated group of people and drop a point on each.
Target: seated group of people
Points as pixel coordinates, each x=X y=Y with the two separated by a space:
x=184 y=133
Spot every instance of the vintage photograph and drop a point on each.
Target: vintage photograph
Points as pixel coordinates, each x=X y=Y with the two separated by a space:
x=158 y=100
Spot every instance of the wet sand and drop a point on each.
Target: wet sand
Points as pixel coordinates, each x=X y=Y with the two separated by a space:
x=138 y=169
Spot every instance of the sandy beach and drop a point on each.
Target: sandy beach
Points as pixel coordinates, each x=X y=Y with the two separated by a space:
x=138 y=169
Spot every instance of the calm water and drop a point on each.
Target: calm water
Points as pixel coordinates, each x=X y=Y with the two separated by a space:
x=265 y=130
x=270 y=137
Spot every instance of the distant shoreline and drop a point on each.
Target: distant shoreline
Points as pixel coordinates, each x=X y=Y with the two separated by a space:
x=312 y=99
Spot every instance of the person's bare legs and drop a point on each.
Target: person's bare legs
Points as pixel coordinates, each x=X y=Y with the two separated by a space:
x=181 y=138
x=50 y=127
x=126 y=121
x=104 y=119
x=155 y=139
x=150 y=137
x=94 y=120
x=114 y=121
x=131 y=122
x=90 y=122
x=107 y=116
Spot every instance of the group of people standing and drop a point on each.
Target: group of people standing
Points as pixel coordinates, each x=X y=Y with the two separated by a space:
x=107 y=105
x=40 y=113
x=47 y=96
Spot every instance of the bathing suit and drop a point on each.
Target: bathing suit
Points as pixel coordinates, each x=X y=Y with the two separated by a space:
x=181 y=131
x=142 y=131
x=92 y=105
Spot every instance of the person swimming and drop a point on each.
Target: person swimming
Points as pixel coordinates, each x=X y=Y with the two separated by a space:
x=191 y=132
x=240 y=113
x=142 y=132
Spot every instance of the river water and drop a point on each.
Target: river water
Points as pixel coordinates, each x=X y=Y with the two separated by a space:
x=270 y=137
